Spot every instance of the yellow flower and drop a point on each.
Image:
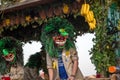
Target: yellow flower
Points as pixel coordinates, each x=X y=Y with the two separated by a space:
x=7 y=21
x=28 y=18
x=65 y=9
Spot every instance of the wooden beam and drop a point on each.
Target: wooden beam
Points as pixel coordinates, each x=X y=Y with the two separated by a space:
x=25 y=4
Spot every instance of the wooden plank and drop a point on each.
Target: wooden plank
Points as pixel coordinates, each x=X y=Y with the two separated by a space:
x=25 y=4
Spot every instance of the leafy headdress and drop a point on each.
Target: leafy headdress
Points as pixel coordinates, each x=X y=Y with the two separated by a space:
x=9 y=45
x=35 y=63
x=55 y=26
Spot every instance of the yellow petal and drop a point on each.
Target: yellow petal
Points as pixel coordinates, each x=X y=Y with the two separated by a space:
x=28 y=18
x=65 y=9
x=7 y=21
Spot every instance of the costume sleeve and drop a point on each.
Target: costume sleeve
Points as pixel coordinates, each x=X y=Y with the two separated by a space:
x=49 y=61
x=74 y=54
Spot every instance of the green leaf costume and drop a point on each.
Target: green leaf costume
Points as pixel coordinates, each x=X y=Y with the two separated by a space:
x=57 y=26
x=10 y=45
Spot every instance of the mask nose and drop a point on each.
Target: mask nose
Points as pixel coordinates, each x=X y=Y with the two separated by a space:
x=61 y=38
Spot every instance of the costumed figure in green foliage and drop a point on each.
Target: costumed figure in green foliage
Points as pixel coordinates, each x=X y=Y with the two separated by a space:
x=57 y=37
x=35 y=63
x=11 y=57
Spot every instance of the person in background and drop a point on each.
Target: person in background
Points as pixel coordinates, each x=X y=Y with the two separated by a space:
x=62 y=58
x=11 y=58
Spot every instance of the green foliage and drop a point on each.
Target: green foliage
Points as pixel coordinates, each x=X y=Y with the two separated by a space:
x=103 y=54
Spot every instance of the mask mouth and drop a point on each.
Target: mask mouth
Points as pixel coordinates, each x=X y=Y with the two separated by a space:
x=9 y=57
x=60 y=40
x=61 y=43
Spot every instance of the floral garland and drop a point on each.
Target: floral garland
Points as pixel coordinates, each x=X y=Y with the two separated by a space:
x=41 y=14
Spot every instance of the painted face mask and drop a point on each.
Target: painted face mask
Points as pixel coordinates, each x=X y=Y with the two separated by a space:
x=61 y=38
x=8 y=55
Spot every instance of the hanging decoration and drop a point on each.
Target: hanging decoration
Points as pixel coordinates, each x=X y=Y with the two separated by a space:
x=41 y=14
x=89 y=15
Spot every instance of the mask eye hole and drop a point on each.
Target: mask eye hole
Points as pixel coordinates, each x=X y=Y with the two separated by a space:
x=6 y=56
x=60 y=38
x=10 y=55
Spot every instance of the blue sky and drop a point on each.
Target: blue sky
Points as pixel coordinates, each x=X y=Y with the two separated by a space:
x=84 y=44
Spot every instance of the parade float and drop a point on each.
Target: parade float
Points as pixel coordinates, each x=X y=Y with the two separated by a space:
x=24 y=20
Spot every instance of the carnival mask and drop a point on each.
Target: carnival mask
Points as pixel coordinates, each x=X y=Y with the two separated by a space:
x=8 y=55
x=60 y=39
